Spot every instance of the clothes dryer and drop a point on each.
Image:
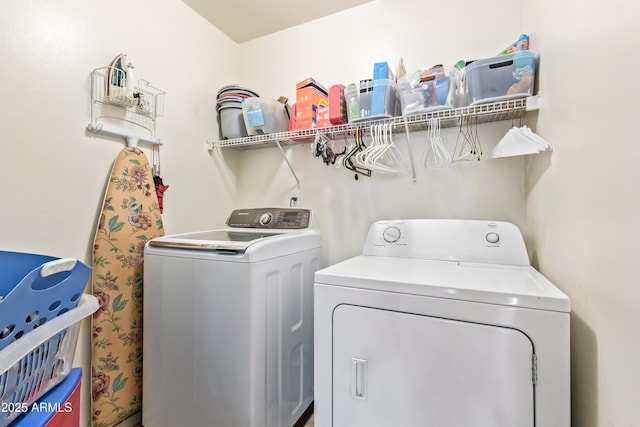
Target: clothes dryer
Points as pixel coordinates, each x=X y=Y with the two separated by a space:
x=440 y=323
x=228 y=322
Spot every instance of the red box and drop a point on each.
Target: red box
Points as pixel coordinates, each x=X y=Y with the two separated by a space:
x=337 y=105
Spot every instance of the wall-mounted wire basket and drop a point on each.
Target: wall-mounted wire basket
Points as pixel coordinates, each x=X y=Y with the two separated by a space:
x=110 y=85
x=131 y=104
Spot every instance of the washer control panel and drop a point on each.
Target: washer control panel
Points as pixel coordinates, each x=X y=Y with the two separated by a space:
x=270 y=218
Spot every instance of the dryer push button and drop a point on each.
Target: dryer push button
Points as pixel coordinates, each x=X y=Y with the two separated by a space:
x=493 y=237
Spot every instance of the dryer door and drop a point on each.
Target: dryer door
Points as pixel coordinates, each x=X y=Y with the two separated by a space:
x=399 y=369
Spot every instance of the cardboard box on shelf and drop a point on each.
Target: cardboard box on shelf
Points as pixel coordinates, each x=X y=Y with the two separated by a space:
x=309 y=95
x=322 y=116
x=382 y=71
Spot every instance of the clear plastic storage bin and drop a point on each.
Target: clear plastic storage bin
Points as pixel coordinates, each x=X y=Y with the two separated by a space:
x=264 y=115
x=375 y=99
x=428 y=90
x=40 y=360
x=502 y=77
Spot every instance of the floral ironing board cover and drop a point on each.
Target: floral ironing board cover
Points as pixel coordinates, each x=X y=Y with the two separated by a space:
x=130 y=217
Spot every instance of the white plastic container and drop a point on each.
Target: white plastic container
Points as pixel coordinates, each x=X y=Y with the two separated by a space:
x=502 y=77
x=264 y=115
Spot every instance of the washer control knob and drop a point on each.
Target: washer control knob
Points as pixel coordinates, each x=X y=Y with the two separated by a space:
x=266 y=218
x=493 y=237
x=391 y=234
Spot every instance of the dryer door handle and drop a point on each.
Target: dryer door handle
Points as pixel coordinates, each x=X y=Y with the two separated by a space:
x=359 y=374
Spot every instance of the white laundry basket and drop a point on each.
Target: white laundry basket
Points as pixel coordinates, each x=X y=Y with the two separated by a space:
x=39 y=360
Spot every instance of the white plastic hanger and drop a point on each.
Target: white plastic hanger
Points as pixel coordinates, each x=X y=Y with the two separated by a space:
x=382 y=155
x=520 y=141
x=436 y=155
x=386 y=157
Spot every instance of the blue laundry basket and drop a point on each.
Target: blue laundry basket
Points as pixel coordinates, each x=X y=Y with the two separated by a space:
x=35 y=289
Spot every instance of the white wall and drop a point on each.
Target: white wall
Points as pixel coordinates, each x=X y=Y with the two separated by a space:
x=583 y=201
x=53 y=172
x=577 y=206
x=342 y=48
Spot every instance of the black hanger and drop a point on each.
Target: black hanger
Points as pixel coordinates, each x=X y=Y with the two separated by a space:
x=348 y=163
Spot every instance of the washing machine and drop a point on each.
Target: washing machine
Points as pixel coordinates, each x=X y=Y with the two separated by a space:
x=440 y=323
x=228 y=322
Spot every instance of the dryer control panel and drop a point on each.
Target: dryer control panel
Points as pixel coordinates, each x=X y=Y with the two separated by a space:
x=270 y=218
x=492 y=242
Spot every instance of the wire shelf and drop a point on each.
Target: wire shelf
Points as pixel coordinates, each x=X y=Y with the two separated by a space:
x=481 y=113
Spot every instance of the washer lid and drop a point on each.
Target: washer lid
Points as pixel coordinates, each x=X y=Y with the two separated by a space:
x=517 y=286
x=231 y=241
x=246 y=227
x=236 y=245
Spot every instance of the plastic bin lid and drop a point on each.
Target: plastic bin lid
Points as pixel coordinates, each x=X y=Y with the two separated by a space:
x=236 y=88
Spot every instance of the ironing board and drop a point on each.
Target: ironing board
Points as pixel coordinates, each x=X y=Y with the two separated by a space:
x=130 y=216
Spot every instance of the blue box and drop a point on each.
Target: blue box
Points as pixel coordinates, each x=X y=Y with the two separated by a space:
x=381 y=92
x=382 y=71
